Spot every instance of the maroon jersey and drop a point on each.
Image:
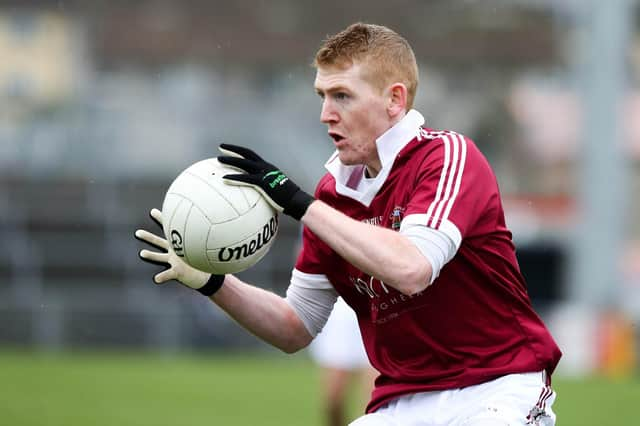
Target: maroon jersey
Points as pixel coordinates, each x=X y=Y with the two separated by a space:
x=475 y=322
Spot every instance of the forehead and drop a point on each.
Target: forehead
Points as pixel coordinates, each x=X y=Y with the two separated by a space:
x=328 y=78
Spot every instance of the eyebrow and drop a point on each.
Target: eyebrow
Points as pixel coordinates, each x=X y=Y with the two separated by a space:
x=333 y=89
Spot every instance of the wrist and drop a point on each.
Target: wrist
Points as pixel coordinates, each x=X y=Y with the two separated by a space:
x=213 y=284
x=298 y=205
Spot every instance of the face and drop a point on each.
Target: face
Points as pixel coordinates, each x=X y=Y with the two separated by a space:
x=355 y=112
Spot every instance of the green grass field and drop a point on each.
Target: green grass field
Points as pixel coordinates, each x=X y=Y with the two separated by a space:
x=98 y=389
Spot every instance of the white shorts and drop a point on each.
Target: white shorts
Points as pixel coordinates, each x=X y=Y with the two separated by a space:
x=515 y=399
x=339 y=344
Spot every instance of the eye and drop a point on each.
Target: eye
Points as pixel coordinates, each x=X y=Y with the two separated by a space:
x=341 y=96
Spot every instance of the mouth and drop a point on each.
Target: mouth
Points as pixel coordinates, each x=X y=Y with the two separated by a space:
x=336 y=137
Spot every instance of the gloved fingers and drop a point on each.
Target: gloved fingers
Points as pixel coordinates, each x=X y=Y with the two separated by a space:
x=241 y=179
x=144 y=255
x=164 y=276
x=242 y=164
x=153 y=262
x=153 y=239
x=270 y=200
x=155 y=257
x=247 y=180
x=239 y=151
x=156 y=215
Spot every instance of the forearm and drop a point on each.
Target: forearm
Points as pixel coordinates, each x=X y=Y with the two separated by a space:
x=264 y=314
x=382 y=253
x=379 y=252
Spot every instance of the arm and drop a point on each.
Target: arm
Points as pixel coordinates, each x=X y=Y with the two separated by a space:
x=290 y=323
x=379 y=252
x=264 y=314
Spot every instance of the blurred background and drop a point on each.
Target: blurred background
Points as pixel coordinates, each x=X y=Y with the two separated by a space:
x=103 y=103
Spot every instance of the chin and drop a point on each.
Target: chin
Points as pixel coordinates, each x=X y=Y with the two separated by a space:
x=351 y=161
x=346 y=159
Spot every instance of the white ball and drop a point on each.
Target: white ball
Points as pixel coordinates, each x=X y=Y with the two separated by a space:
x=217 y=227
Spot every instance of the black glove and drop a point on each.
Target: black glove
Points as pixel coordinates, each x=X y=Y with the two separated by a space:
x=175 y=267
x=280 y=191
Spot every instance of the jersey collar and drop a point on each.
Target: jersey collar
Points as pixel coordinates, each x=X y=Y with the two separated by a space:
x=350 y=180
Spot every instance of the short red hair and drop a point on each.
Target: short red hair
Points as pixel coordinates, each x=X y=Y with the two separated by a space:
x=387 y=57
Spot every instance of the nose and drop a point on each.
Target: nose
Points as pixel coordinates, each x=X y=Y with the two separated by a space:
x=328 y=114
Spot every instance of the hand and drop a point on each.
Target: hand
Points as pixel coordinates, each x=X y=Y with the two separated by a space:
x=175 y=268
x=280 y=191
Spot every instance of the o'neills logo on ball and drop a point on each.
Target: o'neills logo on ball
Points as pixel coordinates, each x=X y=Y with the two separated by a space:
x=176 y=243
x=247 y=249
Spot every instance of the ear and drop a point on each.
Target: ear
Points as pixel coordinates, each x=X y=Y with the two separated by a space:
x=397 y=99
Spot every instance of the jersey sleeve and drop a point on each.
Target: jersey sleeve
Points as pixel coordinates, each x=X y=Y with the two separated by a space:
x=314 y=253
x=312 y=298
x=452 y=187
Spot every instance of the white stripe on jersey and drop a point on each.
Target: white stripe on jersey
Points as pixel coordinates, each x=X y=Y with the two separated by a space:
x=449 y=182
x=441 y=205
x=443 y=175
x=463 y=157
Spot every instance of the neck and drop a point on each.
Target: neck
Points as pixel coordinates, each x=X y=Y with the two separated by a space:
x=372 y=169
x=374 y=166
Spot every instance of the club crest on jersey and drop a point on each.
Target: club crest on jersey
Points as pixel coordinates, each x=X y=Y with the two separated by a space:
x=396 y=217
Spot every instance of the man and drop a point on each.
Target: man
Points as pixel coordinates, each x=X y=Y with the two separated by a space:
x=408 y=228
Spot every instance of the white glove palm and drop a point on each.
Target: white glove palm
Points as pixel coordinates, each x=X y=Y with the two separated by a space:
x=177 y=269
